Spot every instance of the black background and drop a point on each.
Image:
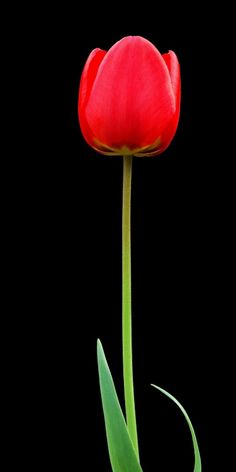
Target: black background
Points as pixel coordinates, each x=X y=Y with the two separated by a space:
x=67 y=266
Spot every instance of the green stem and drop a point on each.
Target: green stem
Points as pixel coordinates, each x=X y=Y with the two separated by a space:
x=126 y=305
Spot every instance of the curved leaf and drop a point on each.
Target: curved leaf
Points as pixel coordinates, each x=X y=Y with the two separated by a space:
x=197 y=465
x=122 y=454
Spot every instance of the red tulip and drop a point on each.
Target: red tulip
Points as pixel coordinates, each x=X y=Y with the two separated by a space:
x=129 y=98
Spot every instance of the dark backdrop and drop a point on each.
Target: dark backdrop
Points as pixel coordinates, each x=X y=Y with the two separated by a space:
x=69 y=247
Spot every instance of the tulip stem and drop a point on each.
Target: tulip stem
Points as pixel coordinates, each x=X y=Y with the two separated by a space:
x=126 y=305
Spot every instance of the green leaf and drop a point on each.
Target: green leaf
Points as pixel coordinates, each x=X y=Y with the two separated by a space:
x=122 y=454
x=197 y=465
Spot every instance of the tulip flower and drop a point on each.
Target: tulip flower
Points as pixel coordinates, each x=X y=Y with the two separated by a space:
x=129 y=98
x=129 y=104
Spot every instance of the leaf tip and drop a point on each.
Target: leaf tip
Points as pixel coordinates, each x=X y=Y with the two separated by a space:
x=100 y=351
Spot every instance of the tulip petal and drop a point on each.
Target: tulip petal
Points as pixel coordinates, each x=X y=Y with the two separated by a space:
x=174 y=70
x=131 y=100
x=87 y=79
x=172 y=63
